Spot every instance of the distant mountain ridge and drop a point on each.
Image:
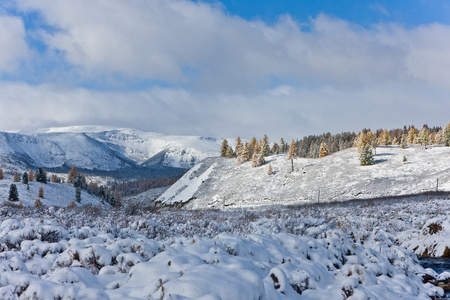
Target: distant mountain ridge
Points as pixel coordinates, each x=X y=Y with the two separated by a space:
x=101 y=148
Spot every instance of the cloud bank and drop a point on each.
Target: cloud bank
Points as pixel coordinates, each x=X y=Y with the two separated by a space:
x=203 y=71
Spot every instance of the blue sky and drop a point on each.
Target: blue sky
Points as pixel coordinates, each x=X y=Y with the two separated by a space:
x=223 y=68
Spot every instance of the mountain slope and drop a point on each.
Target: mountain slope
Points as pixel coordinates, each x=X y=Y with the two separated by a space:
x=101 y=148
x=220 y=182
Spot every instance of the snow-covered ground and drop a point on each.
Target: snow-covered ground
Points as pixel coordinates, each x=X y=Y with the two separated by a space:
x=55 y=194
x=102 y=148
x=221 y=183
x=335 y=251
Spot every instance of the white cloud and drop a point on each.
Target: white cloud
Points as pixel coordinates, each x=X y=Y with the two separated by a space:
x=13 y=47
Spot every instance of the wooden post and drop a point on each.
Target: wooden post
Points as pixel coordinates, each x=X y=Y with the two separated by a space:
x=318 y=196
x=292 y=164
x=437 y=185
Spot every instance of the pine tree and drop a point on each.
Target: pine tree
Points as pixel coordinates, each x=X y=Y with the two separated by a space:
x=282 y=146
x=77 y=183
x=432 y=138
x=41 y=193
x=439 y=137
x=323 y=150
x=230 y=152
x=265 y=149
x=72 y=174
x=1 y=174
x=246 y=152
x=292 y=153
x=41 y=176
x=385 y=138
x=404 y=159
x=261 y=160
x=412 y=134
x=446 y=135
x=269 y=170
x=366 y=156
x=13 y=193
x=275 y=148
x=25 y=178
x=253 y=145
x=239 y=146
x=55 y=178
x=362 y=141
x=254 y=160
x=38 y=203
x=31 y=175
x=403 y=142
x=224 y=148
x=16 y=177
x=424 y=138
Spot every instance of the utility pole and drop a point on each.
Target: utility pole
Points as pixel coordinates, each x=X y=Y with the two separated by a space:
x=437 y=185
x=318 y=196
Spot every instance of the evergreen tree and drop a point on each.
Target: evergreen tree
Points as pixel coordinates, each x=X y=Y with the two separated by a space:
x=385 y=138
x=269 y=170
x=13 y=193
x=424 y=138
x=246 y=152
x=1 y=174
x=254 y=160
x=38 y=203
x=78 y=194
x=275 y=148
x=261 y=160
x=239 y=146
x=439 y=137
x=366 y=156
x=117 y=198
x=403 y=142
x=404 y=159
x=31 y=175
x=55 y=178
x=224 y=148
x=25 y=178
x=265 y=149
x=41 y=176
x=432 y=138
x=412 y=134
x=283 y=147
x=41 y=193
x=72 y=174
x=230 y=152
x=362 y=141
x=16 y=177
x=323 y=150
x=446 y=135
x=77 y=183
x=292 y=153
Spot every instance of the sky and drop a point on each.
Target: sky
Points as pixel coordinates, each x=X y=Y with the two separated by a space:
x=225 y=68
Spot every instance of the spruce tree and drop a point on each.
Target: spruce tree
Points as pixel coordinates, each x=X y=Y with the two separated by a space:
x=275 y=148
x=323 y=150
x=403 y=142
x=446 y=135
x=265 y=149
x=292 y=153
x=25 y=178
x=439 y=137
x=269 y=170
x=13 y=193
x=230 y=152
x=366 y=156
x=261 y=160
x=41 y=176
x=239 y=146
x=246 y=152
x=282 y=146
x=424 y=138
x=385 y=138
x=77 y=183
x=254 y=160
x=412 y=134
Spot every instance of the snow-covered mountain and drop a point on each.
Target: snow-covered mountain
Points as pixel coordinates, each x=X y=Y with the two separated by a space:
x=220 y=182
x=101 y=148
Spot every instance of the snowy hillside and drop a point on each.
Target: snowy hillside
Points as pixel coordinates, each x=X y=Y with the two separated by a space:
x=55 y=194
x=220 y=182
x=101 y=148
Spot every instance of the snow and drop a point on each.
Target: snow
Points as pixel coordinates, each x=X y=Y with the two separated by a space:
x=55 y=194
x=102 y=148
x=336 y=251
x=337 y=177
